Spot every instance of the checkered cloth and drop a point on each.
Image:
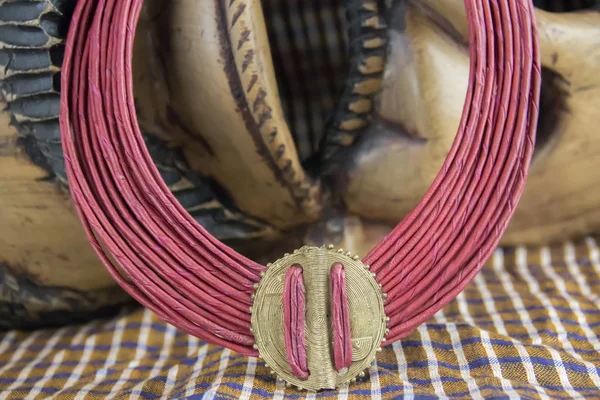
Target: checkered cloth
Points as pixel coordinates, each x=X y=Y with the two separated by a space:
x=526 y=327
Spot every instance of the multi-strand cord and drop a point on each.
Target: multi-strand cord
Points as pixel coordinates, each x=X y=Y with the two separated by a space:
x=442 y=244
x=169 y=263
x=148 y=242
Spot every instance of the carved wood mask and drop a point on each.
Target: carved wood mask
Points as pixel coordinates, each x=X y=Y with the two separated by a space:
x=278 y=123
x=244 y=113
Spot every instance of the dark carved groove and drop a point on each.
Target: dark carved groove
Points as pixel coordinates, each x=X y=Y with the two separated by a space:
x=27 y=305
x=367 y=46
x=566 y=5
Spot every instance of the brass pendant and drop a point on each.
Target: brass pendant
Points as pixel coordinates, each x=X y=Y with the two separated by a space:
x=366 y=312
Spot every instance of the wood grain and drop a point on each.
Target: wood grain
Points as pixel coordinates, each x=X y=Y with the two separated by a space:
x=223 y=95
x=40 y=234
x=419 y=110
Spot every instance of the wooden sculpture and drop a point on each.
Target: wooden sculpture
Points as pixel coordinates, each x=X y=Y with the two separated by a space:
x=420 y=109
x=216 y=100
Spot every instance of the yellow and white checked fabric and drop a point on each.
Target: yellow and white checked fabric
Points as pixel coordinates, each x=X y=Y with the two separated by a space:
x=527 y=327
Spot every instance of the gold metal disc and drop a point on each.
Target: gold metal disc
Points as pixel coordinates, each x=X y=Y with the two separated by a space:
x=366 y=313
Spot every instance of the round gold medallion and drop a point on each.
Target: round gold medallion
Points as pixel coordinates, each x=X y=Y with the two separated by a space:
x=365 y=312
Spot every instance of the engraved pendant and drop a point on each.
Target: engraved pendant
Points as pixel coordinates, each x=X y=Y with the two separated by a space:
x=365 y=311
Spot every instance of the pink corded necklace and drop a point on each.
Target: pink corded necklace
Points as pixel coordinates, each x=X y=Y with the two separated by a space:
x=319 y=315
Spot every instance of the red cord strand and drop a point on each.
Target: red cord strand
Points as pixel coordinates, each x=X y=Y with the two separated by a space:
x=294 y=321
x=340 y=316
x=157 y=252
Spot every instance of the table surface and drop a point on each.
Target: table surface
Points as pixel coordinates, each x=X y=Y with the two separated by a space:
x=526 y=327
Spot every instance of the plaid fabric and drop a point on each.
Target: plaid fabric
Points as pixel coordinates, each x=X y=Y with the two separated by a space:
x=527 y=327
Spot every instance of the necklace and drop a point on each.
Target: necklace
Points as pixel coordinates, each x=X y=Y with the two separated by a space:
x=319 y=315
